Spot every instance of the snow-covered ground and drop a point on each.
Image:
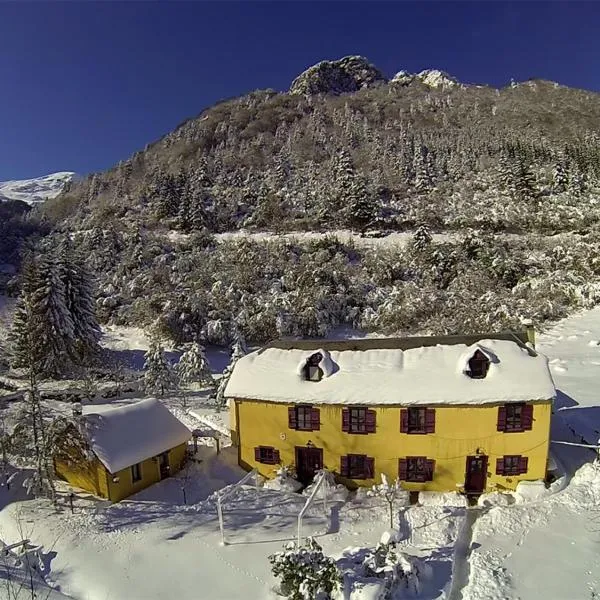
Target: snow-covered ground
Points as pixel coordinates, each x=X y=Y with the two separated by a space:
x=153 y=546
x=37 y=189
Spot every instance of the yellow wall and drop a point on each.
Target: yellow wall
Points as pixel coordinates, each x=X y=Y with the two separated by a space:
x=84 y=474
x=459 y=432
x=94 y=477
x=125 y=485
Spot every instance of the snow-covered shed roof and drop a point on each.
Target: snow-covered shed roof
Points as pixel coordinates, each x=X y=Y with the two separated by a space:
x=126 y=435
x=430 y=374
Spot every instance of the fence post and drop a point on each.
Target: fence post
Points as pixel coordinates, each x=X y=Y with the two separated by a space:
x=220 y=513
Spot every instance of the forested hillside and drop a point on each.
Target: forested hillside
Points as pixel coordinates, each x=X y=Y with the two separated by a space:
x=417 y=152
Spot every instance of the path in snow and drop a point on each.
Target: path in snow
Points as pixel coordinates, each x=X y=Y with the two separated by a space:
x=462 y=551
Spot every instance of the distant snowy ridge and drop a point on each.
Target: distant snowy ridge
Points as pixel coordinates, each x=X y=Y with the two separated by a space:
x=36 y=190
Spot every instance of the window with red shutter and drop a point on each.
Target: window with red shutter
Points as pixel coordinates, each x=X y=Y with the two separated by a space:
x=501 y=418
x=358 y=420
x=417 y=469
x=500 y=466
x=315 y=419
x=371 y=421
x=292 y=422
x=527 y=417
x=402 y=469
x=417 y=419
x=404 y=421
x=511 y=465
x=344 y=466
x=304 y=418
x=430 y=420
x=266 y=455
x=359 y=466
x=345 y=420
x=515 y=417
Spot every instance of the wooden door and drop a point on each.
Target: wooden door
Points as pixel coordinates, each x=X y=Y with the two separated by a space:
x=163 y=463
x=308 y=462
x=476 y=474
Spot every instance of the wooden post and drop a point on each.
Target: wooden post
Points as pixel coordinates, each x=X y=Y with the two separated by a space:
x=71 y=496
x=218 y=444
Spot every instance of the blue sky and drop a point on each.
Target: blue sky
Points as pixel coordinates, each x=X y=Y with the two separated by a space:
x=84 y=85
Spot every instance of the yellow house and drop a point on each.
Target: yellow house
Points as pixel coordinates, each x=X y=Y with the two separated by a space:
x=119 y=451
x=466 y=413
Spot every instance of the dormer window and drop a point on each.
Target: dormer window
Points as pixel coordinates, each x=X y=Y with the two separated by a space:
x=479 y=364
x=312 y=371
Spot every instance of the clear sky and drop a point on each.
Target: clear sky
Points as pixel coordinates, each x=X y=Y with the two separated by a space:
x=84 y=85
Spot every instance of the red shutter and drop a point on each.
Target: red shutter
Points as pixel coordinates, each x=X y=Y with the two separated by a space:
x=430 y=420
x=430 y=470
x=500 y=466
x=345 y=420
x=257 y=454
x=371 y=421
x=369 y=468
x=404 y=421
x=527 y=417
x=523 y=464
x=501 y=418
x=315 y=419
x=276 y=459
x=402 y=469
x=292 y=421
x=344 y=466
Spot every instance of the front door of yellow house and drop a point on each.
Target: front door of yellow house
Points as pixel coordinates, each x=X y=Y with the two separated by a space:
x=476 y=474
x=163 y=465
x=308 y=461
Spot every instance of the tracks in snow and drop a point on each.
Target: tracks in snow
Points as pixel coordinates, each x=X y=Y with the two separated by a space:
x=462 y=551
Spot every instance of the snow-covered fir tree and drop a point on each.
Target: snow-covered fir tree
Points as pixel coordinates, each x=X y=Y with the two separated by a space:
x=43 y=314
x=193 y=367
x=238 y=350
x=79 y=299
x=159 y=376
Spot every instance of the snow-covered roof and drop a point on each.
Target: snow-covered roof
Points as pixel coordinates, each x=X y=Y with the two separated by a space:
x=423 y=375
x=126 y=435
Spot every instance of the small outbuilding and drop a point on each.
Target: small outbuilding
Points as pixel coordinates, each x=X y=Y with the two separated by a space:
x=117 y=451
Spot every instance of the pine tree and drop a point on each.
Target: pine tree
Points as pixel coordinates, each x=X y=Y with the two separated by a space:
x=79 y=297
x=42 y=312
x=560 y=176
x=193 y=367
x=238 y=350
x=422 y=239
x=158 y=373
x=362 y=208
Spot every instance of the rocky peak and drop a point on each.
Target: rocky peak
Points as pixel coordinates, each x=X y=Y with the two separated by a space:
x=432 y=78
x=344 y=76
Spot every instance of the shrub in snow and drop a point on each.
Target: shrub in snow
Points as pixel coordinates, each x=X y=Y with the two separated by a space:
x=305 y=573
x=495 y=499
x=398 y=573
x=528 y=491
x=442 y=499
x=284 y=480
x=391 y=493
x=334 y=492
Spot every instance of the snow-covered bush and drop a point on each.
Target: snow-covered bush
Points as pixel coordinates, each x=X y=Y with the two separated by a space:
x=453 y=499
x=305 y=573
x=284 y=480
x=398 y=570
x=391 y=493
x=334 y=492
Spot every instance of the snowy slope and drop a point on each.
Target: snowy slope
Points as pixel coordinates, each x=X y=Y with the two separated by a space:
x=35 y=190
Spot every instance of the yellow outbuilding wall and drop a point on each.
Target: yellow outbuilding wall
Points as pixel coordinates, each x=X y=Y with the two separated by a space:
x=460 y=431
x=95 y=478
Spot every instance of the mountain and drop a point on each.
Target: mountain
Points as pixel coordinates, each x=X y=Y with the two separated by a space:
x=39 y=189
x=508 y=178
